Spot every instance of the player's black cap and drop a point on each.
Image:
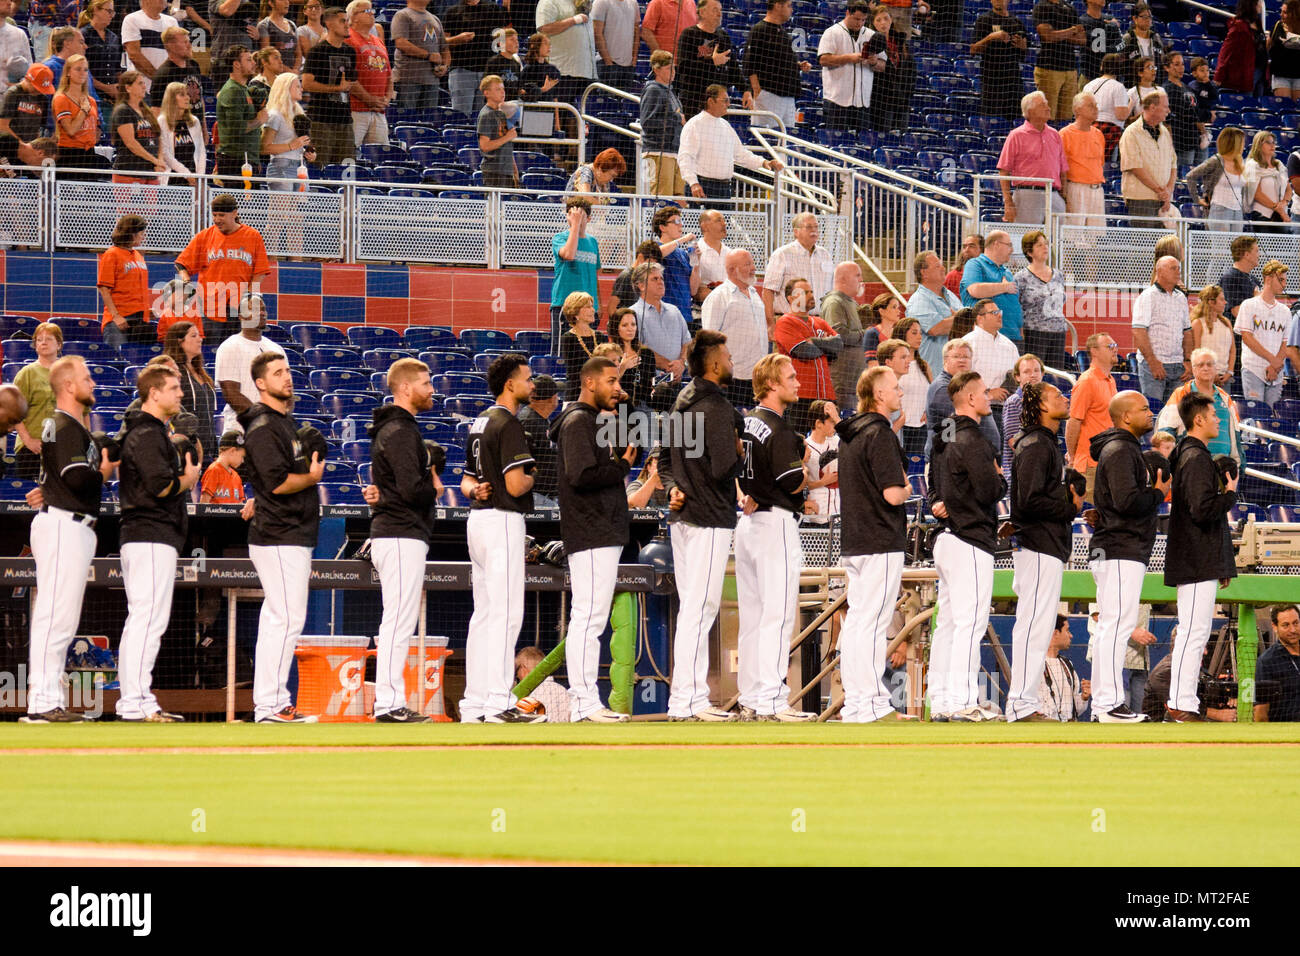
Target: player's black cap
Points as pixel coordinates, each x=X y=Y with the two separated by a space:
x=232 y=439
x=544 y=387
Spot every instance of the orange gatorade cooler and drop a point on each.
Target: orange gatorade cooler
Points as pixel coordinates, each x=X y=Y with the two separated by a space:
x=435 y=653
x=331 y=677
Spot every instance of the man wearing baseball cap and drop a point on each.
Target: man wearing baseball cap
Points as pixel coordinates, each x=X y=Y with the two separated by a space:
x=228 y=260
x=221 y=482
x=13 y=43
x=536 y=419
x=24 y=111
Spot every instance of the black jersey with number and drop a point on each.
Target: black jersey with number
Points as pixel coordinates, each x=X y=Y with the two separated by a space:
x=70 y=477
x=773 y=468
x=497 y=444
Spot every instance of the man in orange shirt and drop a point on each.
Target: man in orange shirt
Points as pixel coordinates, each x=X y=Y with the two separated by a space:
x=808 y=340
x=123 y=283
x=221 y=482
x=1085 y=149
x=1090 y=406
x=228 y=259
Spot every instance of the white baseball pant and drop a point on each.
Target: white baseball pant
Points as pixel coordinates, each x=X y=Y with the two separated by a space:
x=940 y=655
x=769 y=558
x=1195 y=619
x=592 y=574
x=1037 y=583
x=63 y=549
x=1119 y=593
x=284 y=572
x=966 y=573
x=874 y=580
x=149 y=572
x=400 y=563
x=699 y=566
x=496 y=554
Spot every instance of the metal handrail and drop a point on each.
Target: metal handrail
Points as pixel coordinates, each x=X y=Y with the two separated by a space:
x=1272 y=436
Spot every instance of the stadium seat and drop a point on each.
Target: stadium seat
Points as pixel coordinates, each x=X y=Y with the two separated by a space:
x=1257 y=454
x=18 y=350
x=12 y=489
x=443 y=431
x=422 y=337
x=465 y=406
x=92 y=351
x=1283 y=513
x=12 y=325
x=363 y=473
x=341 y=494
x=112 y=395
x=365 y=337
x=458 y=137
x=1288 y=409
x=338 y=472
x=343 y=404
x=460 y=383
x=527 y=161
x=543 y=180
x=480 y=340
x=110 y=376
x=77 y=329
x=357 y=451
x=378 y=154
x=334 y=379
x=533 y=343
x=397 y=174
x=1283 y=453
x=106 y=419
x=440 y=363
x=306 y=406
x=333 y=357
x=547 y=365
x=139 y=354
x=380 y=359
x=1252 y=409
x=918 y=485
x=310 y=335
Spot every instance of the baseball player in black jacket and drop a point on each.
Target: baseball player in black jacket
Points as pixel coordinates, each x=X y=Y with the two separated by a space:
x=1199 y=556
x=873 y=541
x=698 y=471
x=769 y=555
x=154 y=480
x=73 y=471
x=282 y=534
x=401 y=526
x=1125 y=521
x=1043 y=506
x=965 y=495
x=594 y=526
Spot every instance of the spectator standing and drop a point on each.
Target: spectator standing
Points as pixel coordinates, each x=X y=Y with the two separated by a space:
x=1056 y=73
x=496 y=138
x=234 y=23
x=24 y=113
x=239 y=120
x=713 y=252
x=848 y=70
x=184 y=343
x=938 y=403
x=1085 y=156
x=123 y=284
x=667 y=20
x=422 y=56
x=1266 y=185
x=1204 y=369
x=536 y=419
x=803 y=257
x=1239 y=282
x=228 y=261
x=661 y=128
x=577 y=261
x=704 y=58
x=135 y=133
x=76 y=118
x=596 y=178
x=1183 y=117
x=662 y=326
x=539 y=77
x=180 y=137
x=65 y=42
x=772 y=66
x=681 y=262
x=886 y=310
x=915 y=383
x=840 y=310
x=1101 y=38
x=933 y=305
x=142 y=38
x=103 y=48
x=178 y=66
x=328 y=74
x=1212 y=330
x=373 y=90
x=276 y=30
x=811 y=345
x=1144 y=73
x=1218 y=183
x=1162 y=332
x=234 y=360
x=1280 y=666
x=268 y=66
x=736 y=310
x=823 y=480
x=993 y=356
x=892 y=97
x=710 y=150
x=988 y=276
x=636 y=363
x=33 y=380
x=971 y=246
x=44 y=18
x=311 y=31
x=616 y=31
x=468 y=26
x=1090 y=406
x=1242 y=58
x=1148 y=162
x=1142 y=41
x=579 y=340
x=624 y=293
x=1207 y=98
x=574 y=46
x=1113 y=104
x=1032 y=151
x=505 y=64
x=1284 y=52
x=1000 y=40
x=14 y=43
x=285 y=148
x=1262 y=324
x=1042 y=302
x=1028 y=370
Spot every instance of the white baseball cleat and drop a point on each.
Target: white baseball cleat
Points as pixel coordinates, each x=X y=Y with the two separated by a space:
x=789 y=716
x=605 y=716
x=1120 y=715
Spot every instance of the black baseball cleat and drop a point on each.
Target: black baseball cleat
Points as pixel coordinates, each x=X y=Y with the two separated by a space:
x=289 y=715
x=401 y=716
x=515 y=716
x=1120 y=715
x=56 y=716
x=1183 y=717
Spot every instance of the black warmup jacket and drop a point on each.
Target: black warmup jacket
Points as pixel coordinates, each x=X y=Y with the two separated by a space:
x=593 y=499
x=1200 y=541
x=271 y=445
x=153 y=506
x=871 y=460
x=1042 y=508
x=969 y=483
x=399 y=467
x=707 y=479
x=1127 y=505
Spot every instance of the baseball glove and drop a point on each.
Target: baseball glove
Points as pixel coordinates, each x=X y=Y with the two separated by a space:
x=1077 y=482
x=310 y=442
x=435 y=456
x=186 y=451
x=104 y=440
x=1157 y=465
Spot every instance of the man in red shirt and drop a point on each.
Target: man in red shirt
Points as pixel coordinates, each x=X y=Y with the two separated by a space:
x=228 y=260
x=373 y=90
x=808 y=340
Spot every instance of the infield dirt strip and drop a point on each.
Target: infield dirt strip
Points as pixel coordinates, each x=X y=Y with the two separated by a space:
x=36 y=853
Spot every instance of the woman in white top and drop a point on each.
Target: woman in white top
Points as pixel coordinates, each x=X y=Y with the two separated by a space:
x=311 y=31
x=280 y=141
x=915 y=382
x=1113 y=106
x=1212 y=330
x=1218 y=183
x=1146 y=83
x=1267 y=184
x=181 y=138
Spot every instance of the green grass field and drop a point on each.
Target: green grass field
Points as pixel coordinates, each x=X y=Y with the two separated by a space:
x=658 y=793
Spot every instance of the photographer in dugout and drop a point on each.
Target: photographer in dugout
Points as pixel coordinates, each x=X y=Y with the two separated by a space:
x=284 y=465
x=155 y=475
x=402 y=499
x=594 y=527
x=1199 y=556
x=1045 y=497
x=74 y=467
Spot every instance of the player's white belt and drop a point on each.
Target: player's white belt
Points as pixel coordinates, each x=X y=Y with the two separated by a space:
x=88 y=520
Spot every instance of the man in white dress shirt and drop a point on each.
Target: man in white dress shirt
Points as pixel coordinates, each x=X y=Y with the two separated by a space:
x=710 y=150
x=736 y=310
x=801 y=259
x=713 y=252
x=993 y=355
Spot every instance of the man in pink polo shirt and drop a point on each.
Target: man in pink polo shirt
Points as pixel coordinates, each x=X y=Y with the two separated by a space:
x=1033 y=150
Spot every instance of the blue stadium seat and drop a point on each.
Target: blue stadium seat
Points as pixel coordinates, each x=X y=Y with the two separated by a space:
x=460 y=383
x=1257 y=453
x=543 y=180
x=374 y=337
x=112 y=395
x=546 y=365
x=440 y=362
x=979 y=162
x=18 y=350
x=301 y=381
x=310 y=335
x=343 y=404
x=337 y=472
x=333 y=357
x=1285 y=513
x=379 y=382
x=10 y=369
x=307 y=406
x=915 y=465
x=333 y=379
x=528 y=160
x=918 y=485
x=445 y=176
x=378 y=154
x=357 y=451
x=110 y=376
x=1251 y=409
x=379 y=360
x=1282 y=452
x=479 y=340
x=533 y=343
x=413 y=136
x=443 y=431
x=466 y=406
x=77 y=329
x=432 y=154
x=1288 y=409
x=91 y=351
x=397 y=174
x=458 y=137
x=12 y=489
x=341 y=494
x=107 y=419
x=12 y=324
x=422 y=337
x=363 y=473
x=140 y=354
